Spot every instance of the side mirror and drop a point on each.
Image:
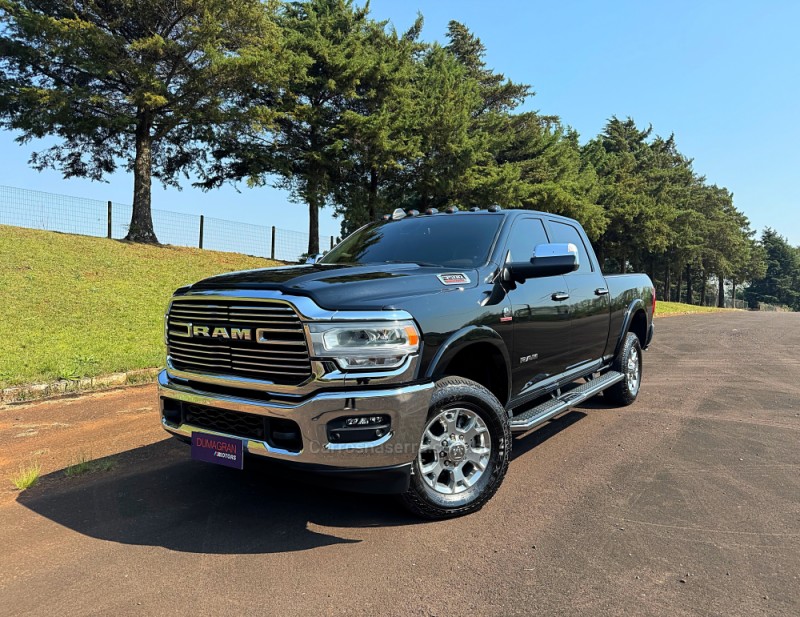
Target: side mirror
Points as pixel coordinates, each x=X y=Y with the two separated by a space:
x=547 y=260
x=312 y=259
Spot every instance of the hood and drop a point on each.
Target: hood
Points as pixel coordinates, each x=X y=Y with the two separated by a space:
x=346 y=287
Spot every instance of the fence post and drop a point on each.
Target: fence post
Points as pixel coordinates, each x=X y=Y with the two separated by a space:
x=202 y=220
x=331 y=241
x=272 y=251
x=109 y=220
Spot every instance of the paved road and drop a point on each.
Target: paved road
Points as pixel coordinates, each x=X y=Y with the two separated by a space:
x=686 y=503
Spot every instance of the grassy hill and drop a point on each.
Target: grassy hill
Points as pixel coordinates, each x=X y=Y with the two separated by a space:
x=75 y=306
x=664 y=309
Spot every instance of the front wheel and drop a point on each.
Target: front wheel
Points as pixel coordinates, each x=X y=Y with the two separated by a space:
x=629 y=363
x=463 y=451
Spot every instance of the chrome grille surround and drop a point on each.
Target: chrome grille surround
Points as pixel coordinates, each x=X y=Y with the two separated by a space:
x=274 y=349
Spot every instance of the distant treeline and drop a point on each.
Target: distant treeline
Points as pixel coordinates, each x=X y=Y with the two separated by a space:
x=344 y=110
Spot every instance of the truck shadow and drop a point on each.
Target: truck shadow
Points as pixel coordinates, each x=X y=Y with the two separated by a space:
x=156 y=496
x=525 y=442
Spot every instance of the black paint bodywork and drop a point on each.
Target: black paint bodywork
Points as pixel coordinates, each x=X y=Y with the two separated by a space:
x=546 y=343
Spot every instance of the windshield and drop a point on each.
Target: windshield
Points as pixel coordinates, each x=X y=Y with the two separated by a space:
x=451 y=241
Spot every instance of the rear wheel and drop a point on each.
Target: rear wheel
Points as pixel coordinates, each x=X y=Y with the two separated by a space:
x=463 y=451
x=629 y=363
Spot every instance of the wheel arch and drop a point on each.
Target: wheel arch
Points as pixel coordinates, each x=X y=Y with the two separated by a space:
x=635 y=321
x=477 y=353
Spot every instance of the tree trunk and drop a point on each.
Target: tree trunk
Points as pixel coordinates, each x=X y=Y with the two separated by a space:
x=313 y=226
x=315 y=180
x=733 y=292
x=703 y=283
x=667 y=284
x=689 y=298
x=721 y=299
x=141 y=227
x=679 y=272
x=373 y=195
x=622 y=264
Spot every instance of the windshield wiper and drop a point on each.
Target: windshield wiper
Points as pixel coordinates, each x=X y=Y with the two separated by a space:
x=408 y=261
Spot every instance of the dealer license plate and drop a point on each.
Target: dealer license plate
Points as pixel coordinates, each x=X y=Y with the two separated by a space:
x=217 y=449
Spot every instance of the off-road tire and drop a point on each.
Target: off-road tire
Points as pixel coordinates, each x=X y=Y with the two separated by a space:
x=460 y=393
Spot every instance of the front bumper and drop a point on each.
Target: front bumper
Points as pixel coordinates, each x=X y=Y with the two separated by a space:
x=407 y=406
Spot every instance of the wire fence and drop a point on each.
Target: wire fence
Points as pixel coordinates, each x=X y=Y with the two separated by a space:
x=738 y=304
x=763 y=306
x=106 y=219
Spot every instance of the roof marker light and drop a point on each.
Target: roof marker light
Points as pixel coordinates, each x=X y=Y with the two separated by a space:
x=495 y=208
x=398 y=214
x=412 y=212
x=386 y=217
x=451 y=210
x=431 y=211
x=474 y=209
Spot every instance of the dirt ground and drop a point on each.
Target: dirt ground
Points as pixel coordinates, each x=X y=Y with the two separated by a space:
x=685 y=503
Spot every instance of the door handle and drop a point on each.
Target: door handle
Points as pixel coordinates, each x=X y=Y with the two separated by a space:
x=601 y=291
x=560 y=296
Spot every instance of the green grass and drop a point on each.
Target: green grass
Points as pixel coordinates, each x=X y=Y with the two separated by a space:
x=27 y=476
x=84 y=464
x=678 y=308
x=75 y=306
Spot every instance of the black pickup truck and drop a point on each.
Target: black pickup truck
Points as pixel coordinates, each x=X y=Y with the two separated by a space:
x=404 y=359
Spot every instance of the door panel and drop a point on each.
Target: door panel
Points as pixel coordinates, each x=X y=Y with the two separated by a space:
x=589 y=319
x=541 y=331
x=541 y=323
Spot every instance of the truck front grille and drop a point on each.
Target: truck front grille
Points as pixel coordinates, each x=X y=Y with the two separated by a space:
x=257 y=339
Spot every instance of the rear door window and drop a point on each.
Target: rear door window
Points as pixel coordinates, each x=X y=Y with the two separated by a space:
x=563 y=233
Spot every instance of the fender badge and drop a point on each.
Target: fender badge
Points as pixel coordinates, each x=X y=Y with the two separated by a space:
x=456 y=278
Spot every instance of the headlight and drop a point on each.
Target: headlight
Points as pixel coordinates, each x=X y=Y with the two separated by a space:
x=381 y=345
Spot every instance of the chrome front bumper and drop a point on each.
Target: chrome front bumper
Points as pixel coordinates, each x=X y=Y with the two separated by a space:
x=407 y=406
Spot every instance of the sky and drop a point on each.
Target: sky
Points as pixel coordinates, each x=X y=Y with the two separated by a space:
x=724 y=77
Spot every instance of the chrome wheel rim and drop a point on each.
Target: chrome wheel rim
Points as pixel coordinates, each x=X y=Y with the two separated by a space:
x=633 y=372
x=454 y=452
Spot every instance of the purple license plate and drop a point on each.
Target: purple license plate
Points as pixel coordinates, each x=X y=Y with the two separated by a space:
x=217 y=449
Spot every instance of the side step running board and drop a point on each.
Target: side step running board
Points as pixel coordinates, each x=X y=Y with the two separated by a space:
x=555 y=406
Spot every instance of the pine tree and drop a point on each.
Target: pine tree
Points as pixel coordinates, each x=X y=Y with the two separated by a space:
x=780 y=283
x=327 y=45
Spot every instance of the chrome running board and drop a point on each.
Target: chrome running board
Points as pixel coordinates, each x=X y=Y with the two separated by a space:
x=547 y=410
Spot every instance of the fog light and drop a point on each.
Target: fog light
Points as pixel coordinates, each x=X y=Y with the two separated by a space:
x=356 y=429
